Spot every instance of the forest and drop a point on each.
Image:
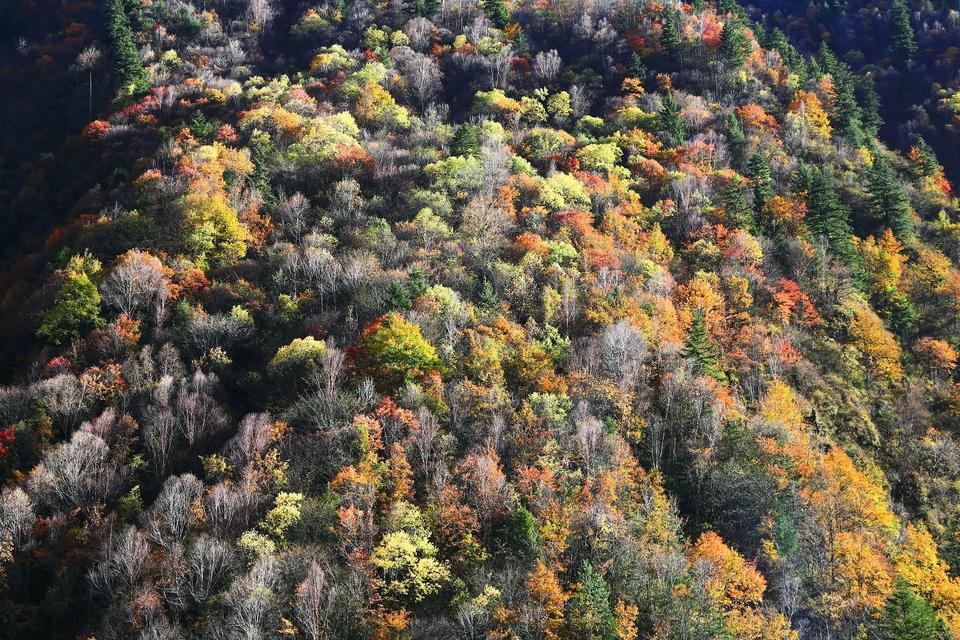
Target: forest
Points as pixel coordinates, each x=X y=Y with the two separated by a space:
x=479 y=319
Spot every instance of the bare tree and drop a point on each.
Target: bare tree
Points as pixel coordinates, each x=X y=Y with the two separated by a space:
x=198 y=415
x=137 y=280
x=293 y=216
x=623 y=349
x=170 y=515
x=546 y=66
x=253 y=437
x=201 y=571
x=122 y=560
x=75 y=474
x=16 y=518
x=498 y=67
x=421 y=74
x=222 y=506
x=261 y=13
x=314 y=600
x=87 y=61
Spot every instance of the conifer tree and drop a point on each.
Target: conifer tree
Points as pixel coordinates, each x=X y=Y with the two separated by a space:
x=671 y=121
x=465 y=141
x=790 y=54
x=701 y=348
x=736 y=137
x=827 y=216
x=670 y=36
x=908 y=617
x=888 y=201
x=734 y=45
x=758 y=169
x=637 y=68
x=498 y=12
x=126 y=58
x=591 y=616
x=847 y=115
x=736 y=204
x=870 y=99
x=927 y=164
x=903 y=45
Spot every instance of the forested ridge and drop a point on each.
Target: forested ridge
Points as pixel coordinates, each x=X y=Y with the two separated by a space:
x=436 y=319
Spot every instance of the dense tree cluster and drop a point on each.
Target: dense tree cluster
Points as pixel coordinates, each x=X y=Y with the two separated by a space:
x=601 y=321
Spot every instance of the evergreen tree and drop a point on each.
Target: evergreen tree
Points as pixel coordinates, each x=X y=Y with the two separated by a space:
x=870 y=99
x=521 y=536
x=903 y=45
x=398 y=297
x=790 y=54
x=670 y=35
x=888 y=201
x=426 y=8
x=928 y=163
x=908 y=617
x=736 y=137
x=671 y=122
x=736 y=203
x=465 y=141
x=734 y=45
x=758 y=169
x=591 y=617
x=498 y=12
x=827 y=216
x=847 y=115
x=637 y=68
x=701 y=348
x=417 y=283
x=126 y=58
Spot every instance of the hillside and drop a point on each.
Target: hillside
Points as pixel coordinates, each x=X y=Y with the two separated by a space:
x=536 y=320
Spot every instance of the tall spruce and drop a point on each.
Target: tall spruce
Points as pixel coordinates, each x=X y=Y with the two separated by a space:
x=888 y=201
x=670 y=35
x=671 y=122
x=903 y=45
x=736 y=138
x=827 y=216
x=909 y=617
x=758 y=170
x=735 y=198
x=734 y=45
x=870 y=102
x=123 y=48
x=702 y=350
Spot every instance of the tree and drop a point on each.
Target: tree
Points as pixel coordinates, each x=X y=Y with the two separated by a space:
x=670 y=34
x=736 y=137
x=759 y=172
x=870 y=99
x=137 y=280
x=909 y=617
x=76 y=305
x=902 y=43
x=406 y=559
x=827 y=216
x=591 y=616
x=498 y=12
x=847 y=115
x=701 y=349
x=671 y=122
x=395 y=351
x=735 y=198
x=126 y=58
x=465 y=141
x=888 y=201
x=734 y=44
x=87 y=60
